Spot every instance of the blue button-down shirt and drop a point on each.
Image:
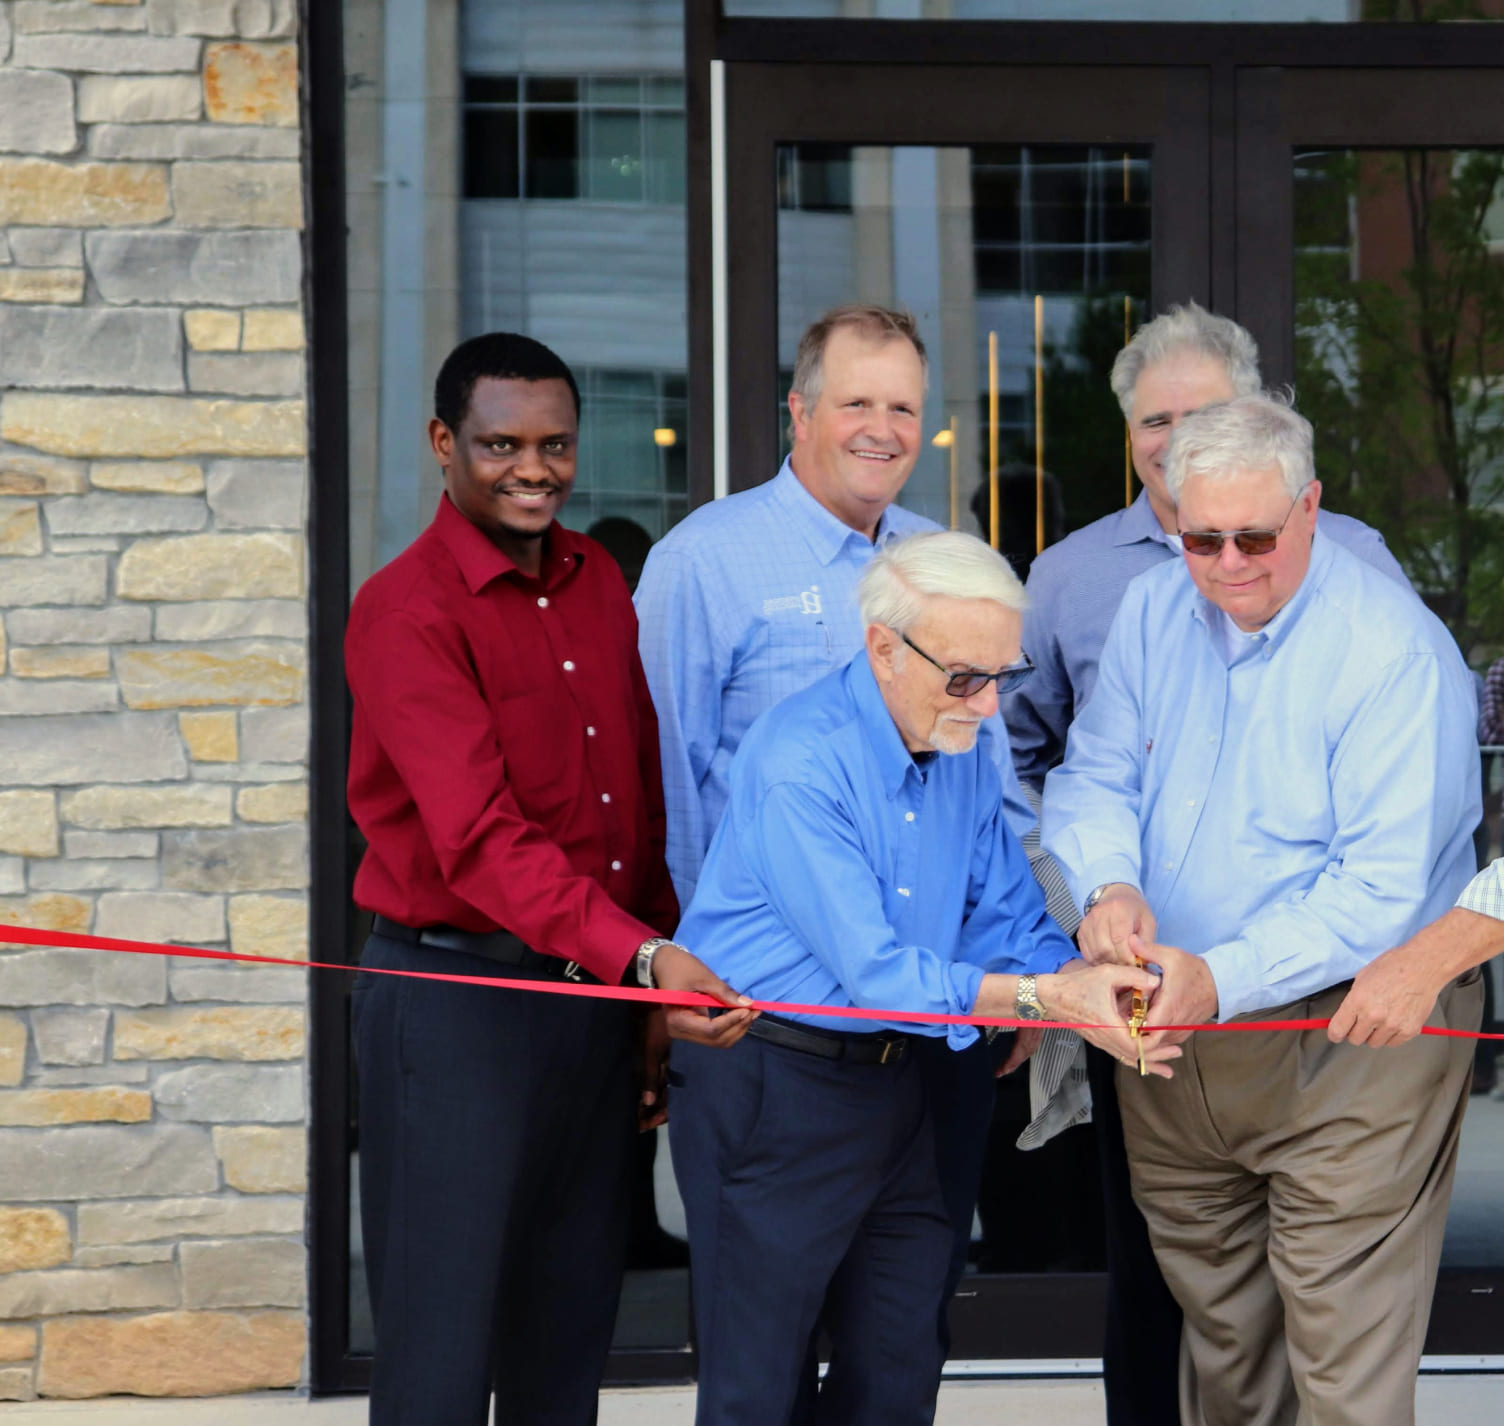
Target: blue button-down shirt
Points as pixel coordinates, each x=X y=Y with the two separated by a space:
x=844 y=873
x=748 y=600
x=1074 y=590
x=1292 y=802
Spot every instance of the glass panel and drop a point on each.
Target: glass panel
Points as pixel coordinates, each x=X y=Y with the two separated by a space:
x=972 y=240
x=490 y=89
x=1399 y=309
x=570 y=226
x=664 y=153
x=492 y=164
x=551 y=90
x=613 y=161
x=615 y=91
x=552 y=147
x=1200 y=11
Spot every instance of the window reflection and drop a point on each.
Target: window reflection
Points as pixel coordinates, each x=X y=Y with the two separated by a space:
x=1400 y=367
x=967 y=238
x=616 y=140
x=522 y=170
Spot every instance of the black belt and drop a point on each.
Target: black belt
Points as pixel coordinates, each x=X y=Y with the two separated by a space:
x=884 y=1048
x=500 y=946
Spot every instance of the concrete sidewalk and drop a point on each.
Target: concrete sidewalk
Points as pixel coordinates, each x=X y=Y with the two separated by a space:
x=1442 y=1401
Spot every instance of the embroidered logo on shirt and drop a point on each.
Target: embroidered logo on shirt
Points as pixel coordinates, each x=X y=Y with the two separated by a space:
x=807 y=602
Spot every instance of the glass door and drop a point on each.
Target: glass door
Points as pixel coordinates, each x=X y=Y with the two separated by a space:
x=1373 y=207
x=1030 y=219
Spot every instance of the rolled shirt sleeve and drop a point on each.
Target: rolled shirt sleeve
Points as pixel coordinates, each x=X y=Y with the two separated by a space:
x=1484 y=894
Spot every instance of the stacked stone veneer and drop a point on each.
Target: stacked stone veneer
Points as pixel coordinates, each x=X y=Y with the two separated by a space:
x=153 y=720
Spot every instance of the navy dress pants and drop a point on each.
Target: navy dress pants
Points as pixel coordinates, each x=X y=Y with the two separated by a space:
x=494 y=1132
x=1141 y=1352
x=786 y=1163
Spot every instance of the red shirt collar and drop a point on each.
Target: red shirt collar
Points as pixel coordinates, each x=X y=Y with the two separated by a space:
x=480 y=561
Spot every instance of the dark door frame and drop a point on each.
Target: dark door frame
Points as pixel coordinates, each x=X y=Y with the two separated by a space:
x=921 y=104
x=1254 y=92
x=1244 y=192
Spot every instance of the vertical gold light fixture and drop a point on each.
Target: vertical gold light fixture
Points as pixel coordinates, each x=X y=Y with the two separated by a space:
x=1127 y=433
x=946 y=440
x=1038 y=424
x=995 y=512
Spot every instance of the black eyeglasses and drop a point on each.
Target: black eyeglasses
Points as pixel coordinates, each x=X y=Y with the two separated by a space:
x=973 y=680
x=1250 y=542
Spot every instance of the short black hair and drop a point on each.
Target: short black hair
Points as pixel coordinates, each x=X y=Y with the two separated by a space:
x=504 y=356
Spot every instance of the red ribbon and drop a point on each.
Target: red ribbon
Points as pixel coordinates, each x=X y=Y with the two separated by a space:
x=77 y=941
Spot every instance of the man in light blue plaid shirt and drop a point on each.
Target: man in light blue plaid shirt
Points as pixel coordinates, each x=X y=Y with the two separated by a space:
x=1394 y=995
x=753 y=598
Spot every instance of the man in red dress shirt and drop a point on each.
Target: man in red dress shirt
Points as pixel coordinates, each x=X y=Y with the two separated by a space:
x=504 y=771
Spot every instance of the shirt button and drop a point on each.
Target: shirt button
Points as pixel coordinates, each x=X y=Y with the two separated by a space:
x=615 y=866
x=903 y=891
x=605 y=797
x=543 y=601
x=1190 y=802
x=908 y=816
x=589 y=732
x=568 y=665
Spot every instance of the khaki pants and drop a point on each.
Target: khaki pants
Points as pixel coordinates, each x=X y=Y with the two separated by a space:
x=1296 y=1194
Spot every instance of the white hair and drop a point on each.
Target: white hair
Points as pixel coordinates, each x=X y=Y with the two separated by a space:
x=1189 y=329
x=1230 y=438
x=901 y=577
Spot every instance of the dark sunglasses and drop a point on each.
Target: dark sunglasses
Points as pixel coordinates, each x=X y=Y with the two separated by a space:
x=1249 y=542
x=972 y=680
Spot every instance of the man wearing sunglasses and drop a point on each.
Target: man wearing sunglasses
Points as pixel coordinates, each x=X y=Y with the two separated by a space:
x=752 y=598
x=1275 y=781
x=1182 y=360
x=864 y=860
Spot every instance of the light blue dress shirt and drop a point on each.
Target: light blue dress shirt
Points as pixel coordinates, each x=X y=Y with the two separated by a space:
x=746 y=601
x=845 y=873
x=1288 y=813
x=1074 y=590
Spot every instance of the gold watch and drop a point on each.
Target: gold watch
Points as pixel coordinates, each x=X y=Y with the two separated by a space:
x=1026 y=1004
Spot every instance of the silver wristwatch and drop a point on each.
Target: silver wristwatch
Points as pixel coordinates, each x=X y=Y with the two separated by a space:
x=1095 y=897
x=1026 y=1004
x=645 y=953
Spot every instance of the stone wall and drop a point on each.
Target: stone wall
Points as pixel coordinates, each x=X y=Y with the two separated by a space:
x=153 y=719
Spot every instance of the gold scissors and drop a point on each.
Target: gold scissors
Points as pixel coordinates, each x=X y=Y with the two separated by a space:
x=1137 y=1014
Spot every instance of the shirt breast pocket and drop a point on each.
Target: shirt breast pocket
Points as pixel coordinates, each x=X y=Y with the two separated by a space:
x=798 y=654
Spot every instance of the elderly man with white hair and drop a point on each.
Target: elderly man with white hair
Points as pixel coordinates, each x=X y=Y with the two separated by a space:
x=1182 y=360
x=863 y=860
x=1276 y=780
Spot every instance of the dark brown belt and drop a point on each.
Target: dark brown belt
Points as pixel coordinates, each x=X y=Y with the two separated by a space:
x=884 y=1048
x=501 y=946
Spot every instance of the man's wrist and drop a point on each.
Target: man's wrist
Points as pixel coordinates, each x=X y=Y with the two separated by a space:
x=1027 y=1002
x=1108 y=890
x=642 y=963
